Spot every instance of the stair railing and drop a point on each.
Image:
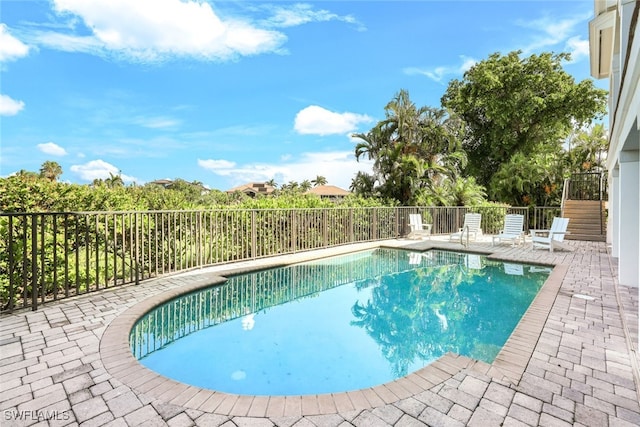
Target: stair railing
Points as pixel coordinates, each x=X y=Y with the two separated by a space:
x=582 y=186
x=565 y=194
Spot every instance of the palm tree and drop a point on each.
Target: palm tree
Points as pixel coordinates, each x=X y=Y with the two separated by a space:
x=363 y=184
x=50 y=170
x=27 y=175
x=320 y=180
x=414 y=149
x=114 y=180
x=272 y=183
x=588 y=149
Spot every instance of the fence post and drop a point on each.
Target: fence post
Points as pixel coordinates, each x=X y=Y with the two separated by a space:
x=374 y=221
x=34 y=264
x=136 y=248
x=254 y=234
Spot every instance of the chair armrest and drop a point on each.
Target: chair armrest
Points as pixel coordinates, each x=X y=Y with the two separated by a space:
x=533 y=232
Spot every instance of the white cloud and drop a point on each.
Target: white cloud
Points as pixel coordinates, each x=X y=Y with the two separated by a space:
x=9 y=106
x=158 y=122
x=551 y=31
x=299 y=14
x=316 y=120
x=98 y=169
x=339 y=167
x=10 y=47
x=216 y=166
x=578 y=48
x=52 y=149
x=442 y=74
x=157 y=30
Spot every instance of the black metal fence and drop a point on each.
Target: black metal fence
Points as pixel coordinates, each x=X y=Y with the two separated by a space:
x=50 y=256
x=587 y=186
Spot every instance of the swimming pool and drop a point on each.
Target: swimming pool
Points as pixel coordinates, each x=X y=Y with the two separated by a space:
x=337 y=324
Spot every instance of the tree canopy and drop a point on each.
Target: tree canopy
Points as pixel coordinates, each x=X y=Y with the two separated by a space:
x=414 y=151
x=518 y=112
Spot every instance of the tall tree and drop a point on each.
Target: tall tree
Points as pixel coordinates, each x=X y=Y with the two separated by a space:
x=114 y=180
x=320 y=180
x=305 y=185
x=587 y=149
x=272 y=183
x=413 y=150
x=50 y=170
x=363 y=184
x=512 y=105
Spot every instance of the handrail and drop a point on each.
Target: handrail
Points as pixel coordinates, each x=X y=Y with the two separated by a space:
x=585 y=186
x=565 y=190
x=466 y=227
x=602 y=177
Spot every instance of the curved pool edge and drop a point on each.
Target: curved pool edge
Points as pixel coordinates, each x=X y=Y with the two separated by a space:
x=508 y=366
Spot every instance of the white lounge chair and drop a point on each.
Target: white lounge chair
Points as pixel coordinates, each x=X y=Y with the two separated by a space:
x=553 y=238
x=513 y=269
x=471 y=225
x=418 y=228
x=513 y=230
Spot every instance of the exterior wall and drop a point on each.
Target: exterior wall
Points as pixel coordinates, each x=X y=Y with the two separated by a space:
x=629 y=217
x=617 y=21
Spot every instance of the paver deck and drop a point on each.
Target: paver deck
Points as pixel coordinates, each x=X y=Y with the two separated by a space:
x=571 y=361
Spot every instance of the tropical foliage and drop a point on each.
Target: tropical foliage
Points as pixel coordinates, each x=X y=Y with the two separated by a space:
x=415 y=151
x=518 y=113
x=32 y=192
x=512 y=129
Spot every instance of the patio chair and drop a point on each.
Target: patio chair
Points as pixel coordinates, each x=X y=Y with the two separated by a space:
x=471 y=226
x=553 y=238
x=513 y=230
x=418 y=228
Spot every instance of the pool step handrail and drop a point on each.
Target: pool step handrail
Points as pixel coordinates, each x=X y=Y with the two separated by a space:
x=466 y=227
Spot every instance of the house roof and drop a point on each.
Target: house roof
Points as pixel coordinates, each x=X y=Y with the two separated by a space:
x=163 y=182
x=253 y=187
x=328 y=190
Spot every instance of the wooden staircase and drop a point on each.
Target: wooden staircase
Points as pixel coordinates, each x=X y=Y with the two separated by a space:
x=584 y=202
x=587 y=220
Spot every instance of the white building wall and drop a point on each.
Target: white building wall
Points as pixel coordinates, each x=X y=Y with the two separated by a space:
x=629 y=220
x=613 y=221
x=623 y=159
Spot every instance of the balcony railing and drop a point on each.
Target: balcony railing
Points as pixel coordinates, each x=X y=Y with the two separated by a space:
x=50 y=256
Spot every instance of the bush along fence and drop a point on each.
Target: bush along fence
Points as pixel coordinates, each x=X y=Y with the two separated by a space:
x=49 y=256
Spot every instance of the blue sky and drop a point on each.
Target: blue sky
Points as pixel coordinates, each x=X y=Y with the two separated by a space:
x=232 y=92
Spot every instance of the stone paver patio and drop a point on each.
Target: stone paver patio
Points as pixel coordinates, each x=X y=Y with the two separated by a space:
x=571 y=361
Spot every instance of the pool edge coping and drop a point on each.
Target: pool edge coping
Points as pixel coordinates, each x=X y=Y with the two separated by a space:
x=508 y=366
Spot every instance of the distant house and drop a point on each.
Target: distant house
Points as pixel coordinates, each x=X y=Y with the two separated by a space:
x=329 y=192
x=253 y=188
x=163 y=182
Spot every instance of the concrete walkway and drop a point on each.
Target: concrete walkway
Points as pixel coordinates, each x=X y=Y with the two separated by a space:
x=572 y=361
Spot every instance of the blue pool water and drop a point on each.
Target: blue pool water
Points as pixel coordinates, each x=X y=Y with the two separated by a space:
x=337 y=324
